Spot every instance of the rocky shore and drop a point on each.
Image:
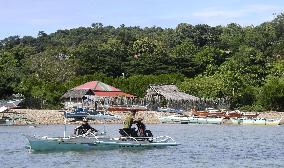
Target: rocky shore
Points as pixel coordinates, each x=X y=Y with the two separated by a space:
x=46 y=117
x=49 y=117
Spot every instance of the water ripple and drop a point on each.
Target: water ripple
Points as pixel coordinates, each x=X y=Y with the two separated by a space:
x=201 y=146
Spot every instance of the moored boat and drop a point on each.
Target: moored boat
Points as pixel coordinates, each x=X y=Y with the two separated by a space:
x=178 y=118
x=80 y=113
x=209 y=112
x=205 y=120
x=253 y=121
x=183 y=119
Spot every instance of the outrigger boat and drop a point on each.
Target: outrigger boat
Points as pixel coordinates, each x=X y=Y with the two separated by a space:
x=97 y=141
x=183 y=119
x=254 y=121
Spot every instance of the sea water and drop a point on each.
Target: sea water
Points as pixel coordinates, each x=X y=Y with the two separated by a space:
x=201 y=146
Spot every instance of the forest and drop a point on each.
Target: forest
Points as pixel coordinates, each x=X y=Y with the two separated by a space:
x=244 y=64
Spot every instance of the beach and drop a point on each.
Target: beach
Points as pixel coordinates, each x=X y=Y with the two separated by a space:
x=52 y=117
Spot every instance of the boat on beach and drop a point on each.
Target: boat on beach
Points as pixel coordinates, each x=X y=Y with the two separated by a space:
x=212 y=116
x=169 y=110
x=178 y=118
x=183 y=119
x=205 y=120
x=252 y=121
x=80 y=113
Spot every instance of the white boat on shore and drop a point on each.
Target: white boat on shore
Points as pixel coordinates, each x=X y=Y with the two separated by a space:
x=253 y=121
x=205 y=120
x=183 y=119
x=178 y=118
x=80 y=113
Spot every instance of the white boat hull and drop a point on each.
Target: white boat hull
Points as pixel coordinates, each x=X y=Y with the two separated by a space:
x=190 y=120
x=197 y=120
x=84 y=143
x=257 y=121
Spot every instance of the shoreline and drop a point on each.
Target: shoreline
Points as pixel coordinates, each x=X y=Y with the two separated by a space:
x=53 y=117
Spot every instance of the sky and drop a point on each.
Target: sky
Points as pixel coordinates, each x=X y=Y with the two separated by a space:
x=28 y=17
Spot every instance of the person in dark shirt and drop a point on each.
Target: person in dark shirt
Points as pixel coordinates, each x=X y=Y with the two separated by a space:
x=141 y=130
x=85 y=128
x=141 y=127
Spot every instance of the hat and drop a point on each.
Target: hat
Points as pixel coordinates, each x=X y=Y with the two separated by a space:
x=139 y=119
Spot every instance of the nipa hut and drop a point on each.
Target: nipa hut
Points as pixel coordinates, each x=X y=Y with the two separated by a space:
x=169 y=96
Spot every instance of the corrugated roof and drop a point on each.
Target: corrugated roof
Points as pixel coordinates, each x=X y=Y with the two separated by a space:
x=97 y=86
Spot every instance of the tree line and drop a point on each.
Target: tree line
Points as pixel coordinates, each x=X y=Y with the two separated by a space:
x=242 y=64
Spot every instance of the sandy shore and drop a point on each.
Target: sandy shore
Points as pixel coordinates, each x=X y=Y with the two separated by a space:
x=37 y=117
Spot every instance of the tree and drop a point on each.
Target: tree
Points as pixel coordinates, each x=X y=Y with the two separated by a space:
x=52 y=66
x=183 y=58
x=232 y=37
x=9 y=74
x=209 y=59
x=271 y=95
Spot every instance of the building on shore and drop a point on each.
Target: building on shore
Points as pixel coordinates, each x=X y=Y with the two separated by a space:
x=91 y=93
x=169 y=98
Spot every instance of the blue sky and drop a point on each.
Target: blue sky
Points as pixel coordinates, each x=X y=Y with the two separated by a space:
x=28 y=17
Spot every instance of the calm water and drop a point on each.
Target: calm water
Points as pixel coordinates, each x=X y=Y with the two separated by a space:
x=201 y=146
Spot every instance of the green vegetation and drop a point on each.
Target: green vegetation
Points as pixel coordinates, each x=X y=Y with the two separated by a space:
x=242 y=64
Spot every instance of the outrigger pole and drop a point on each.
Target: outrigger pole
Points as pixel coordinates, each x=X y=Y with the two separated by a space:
x=64 y=133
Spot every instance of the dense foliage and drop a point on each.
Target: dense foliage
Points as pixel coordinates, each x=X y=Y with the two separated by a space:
x=243 y=64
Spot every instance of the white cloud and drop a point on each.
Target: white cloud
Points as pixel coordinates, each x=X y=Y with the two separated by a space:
x=215 y=15
x=262 y=8
x=217 y=12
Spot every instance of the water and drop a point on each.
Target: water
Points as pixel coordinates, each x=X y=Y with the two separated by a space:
x=201 y=146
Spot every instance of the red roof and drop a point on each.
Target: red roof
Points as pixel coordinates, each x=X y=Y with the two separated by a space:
x=97 y=86
x=102 y=89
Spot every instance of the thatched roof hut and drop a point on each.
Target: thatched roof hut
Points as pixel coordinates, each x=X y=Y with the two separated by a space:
x=77 y=93
x=169 y=92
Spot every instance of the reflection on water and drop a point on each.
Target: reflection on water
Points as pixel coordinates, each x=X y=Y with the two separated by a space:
x=201 y=146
